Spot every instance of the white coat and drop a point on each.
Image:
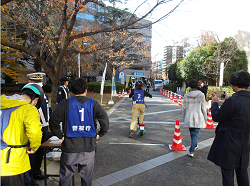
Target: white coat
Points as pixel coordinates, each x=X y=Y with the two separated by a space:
x=194 y=109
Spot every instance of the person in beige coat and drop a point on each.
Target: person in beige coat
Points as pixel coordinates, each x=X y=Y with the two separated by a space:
x=194 y=113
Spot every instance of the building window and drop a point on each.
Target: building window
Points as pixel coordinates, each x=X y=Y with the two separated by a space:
x=86 y=16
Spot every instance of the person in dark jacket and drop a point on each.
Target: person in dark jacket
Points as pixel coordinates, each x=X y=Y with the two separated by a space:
x=230 y=148
x=203 y=88
x=63 y=90
x=138 y=95
x=79 y=132
x=37 y=157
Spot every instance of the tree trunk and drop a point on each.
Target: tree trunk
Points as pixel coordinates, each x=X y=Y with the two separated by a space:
x=55 y=85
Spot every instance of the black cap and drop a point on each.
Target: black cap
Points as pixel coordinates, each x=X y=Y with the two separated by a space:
x=138 y=83
x=64 y=78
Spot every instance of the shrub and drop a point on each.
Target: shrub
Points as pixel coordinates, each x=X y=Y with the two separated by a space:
x=16 y=87
x=96 y=87
x=172 y=86
x=212 y=89
x=47 y=88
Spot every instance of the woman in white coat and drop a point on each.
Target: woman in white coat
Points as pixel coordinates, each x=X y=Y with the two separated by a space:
x=194 y=113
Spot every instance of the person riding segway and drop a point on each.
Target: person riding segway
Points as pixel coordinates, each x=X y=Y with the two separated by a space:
x=138 y=95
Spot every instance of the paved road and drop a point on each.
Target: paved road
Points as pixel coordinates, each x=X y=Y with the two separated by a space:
x=146 y=160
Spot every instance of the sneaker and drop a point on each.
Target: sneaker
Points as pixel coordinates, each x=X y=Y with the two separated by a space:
x=196 y=148
x=191 y=154
x=130 y=134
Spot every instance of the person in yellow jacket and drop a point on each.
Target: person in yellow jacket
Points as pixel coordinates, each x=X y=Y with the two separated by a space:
x=20 y=122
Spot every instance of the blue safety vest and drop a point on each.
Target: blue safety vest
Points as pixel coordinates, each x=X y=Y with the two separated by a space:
x=80 y=119
x=5 y=118
x=139 y=96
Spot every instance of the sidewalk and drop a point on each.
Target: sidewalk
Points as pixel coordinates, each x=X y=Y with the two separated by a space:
x=146 y=160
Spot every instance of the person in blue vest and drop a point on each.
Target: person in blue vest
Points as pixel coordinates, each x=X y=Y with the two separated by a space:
x=138 y=95
x=20 y=123
x=44 y=111
x=63 y=90
x=79 y=132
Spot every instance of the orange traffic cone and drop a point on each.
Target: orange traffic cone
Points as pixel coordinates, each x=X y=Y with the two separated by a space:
x=180 y=102
x=129 y=91
x=123 y=94
x=165 y=93
x=168 y=95
x=209 y=124
x=175 y=98
x=177 y=142
x=119 y=97
x=160 y=91
x=171 y=96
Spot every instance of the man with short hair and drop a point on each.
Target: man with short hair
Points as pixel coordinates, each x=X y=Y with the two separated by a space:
x=231 y=146
x=20 y=122
x=203 y=88
x=44 y=111
x=78 y=115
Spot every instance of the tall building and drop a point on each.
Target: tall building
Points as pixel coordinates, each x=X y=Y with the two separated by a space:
x=141 y=67
x=172 y=54
x=243 y=40
x=142 y=62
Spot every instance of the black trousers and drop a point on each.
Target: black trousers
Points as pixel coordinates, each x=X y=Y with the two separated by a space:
x=12 y=180
x=228 y=177
x=36 y=160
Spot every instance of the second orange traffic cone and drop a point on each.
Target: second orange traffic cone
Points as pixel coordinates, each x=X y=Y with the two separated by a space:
x=171 y=96
x=180 y=102
x=209 y=124
x=177 y=142
x=175 y=98
x=123 y=94
x=168 y=95
x=119 y=97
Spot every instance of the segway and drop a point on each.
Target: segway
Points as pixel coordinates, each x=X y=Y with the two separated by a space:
x=140 y=128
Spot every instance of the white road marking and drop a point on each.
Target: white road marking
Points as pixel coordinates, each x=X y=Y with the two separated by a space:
x=114 y=143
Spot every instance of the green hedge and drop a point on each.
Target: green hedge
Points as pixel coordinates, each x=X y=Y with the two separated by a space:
x=92 y=86
x=212 y=89
x=172 y=86
x=96 y=87
x=47 y=88
x=20 y=85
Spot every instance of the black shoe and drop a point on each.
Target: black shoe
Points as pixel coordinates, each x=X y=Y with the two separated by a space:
x=39 y=177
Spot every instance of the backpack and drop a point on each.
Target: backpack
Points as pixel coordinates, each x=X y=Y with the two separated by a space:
x=5 y=118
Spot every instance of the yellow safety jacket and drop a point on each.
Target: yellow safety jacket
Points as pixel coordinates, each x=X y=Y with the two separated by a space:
x=24 y=125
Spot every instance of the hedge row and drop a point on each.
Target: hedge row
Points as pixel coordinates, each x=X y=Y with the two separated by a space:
x=172 y=86
x=20 y=85
x=92 y=86
x=96 y=87
x=212 y=89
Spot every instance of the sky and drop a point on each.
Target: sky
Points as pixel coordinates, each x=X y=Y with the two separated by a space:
x=191 y=18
